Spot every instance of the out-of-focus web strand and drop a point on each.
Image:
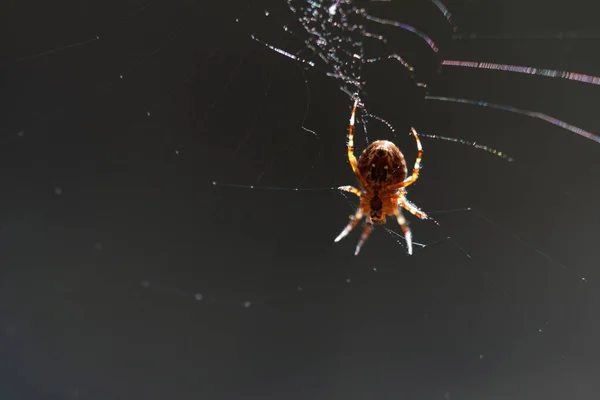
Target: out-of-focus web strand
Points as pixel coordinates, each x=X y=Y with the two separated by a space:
x=446 y=13
x=533 y=114
x=550 y=73
x=406 y=27
x=528 y=35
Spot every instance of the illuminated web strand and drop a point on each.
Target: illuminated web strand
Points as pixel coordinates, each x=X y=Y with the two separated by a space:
x=339 y=75
x=287 y=189
x=383 y=121
x=282 y=52
x=406 y=27
x=58 y=49
x=77 y=44
x=392 y=57
x=550 y=73
x=332 y=39
x=533 y=114
x=375 y=36
x=313 y=3
x=446 y=13
x=450 y=139
x=530 y=35
x=473 y=144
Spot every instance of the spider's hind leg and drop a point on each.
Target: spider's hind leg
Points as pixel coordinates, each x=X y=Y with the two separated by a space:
x=351 y=189
x=364 y=236
x=404 y=225
x=353 y=222
x=413 y=209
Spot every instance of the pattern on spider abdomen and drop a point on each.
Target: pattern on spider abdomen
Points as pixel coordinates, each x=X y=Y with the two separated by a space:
x=382 y=164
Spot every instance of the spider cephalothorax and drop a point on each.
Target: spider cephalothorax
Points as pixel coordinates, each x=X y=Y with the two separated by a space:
x=382 y=173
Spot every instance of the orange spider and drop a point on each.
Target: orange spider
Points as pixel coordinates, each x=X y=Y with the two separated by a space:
x=381 y=171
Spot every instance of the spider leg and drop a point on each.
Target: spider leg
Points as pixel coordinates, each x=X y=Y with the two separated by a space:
x=364 y=236
x=351 y=189
x=353 y=222
x=351 y=156
x=404 y=225
x=414 y=210
x=415 y=175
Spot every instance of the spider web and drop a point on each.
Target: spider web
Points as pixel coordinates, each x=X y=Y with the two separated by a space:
x=337 y=44
x=161 y=102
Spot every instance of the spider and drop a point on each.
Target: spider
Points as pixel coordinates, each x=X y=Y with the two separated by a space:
x=382 y=174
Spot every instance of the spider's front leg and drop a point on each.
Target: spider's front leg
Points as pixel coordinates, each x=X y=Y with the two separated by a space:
x=351 y=156
x=415 y=174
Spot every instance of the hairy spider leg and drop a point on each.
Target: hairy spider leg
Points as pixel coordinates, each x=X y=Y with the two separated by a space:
x=405 y=229
x=415 y=175
x=352 y=159
x=353 y=222
x=364 y=236
x=414 y=210
x=404 y=202
x=351 y=189
x=351 y=156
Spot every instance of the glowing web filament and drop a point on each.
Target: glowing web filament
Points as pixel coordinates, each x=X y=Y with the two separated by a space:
x=550 y=73
x=532 y=114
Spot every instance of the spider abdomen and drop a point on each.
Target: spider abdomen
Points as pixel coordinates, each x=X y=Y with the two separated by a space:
x=382 y=164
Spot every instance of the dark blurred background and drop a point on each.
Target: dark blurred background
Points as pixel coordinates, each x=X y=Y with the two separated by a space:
x=125 y=274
